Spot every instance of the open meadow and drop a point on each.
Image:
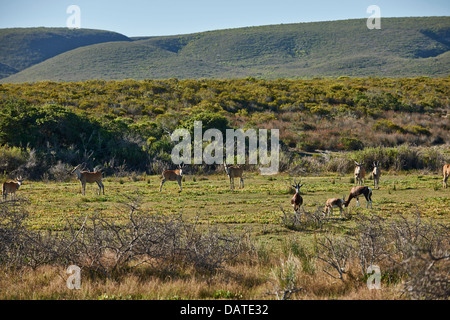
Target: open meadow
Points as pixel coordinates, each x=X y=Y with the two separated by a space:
x=209 y=198
x=279 y=259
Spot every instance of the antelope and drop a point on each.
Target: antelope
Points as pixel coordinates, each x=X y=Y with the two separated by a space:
x=334 y=203
x=11 y=187
x=89 y=177
x=446 y=173
x=376 y=173
x=356 y=192
x=360 y=173
x=172 y=175
x=234 y=172
x=297 y=199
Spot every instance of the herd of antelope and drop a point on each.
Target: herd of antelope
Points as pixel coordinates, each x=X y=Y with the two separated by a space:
x=357 y=191
x=10 y=187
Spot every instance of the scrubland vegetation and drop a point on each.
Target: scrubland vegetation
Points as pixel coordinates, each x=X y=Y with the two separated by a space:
x=208 y=242
x=125 y=125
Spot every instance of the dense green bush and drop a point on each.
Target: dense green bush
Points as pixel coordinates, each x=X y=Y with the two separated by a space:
x=58 y=134
x=208 y=119
x=352 y=143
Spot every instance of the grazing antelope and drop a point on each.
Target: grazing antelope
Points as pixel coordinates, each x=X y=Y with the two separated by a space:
x=356 y=192
x=89 y=177
x=11 y=187
x=376 y=173
x=334 y=203
x=172 y=175
x=446 y=173
x=360 y=173
x=297 y=199
x=234 y=172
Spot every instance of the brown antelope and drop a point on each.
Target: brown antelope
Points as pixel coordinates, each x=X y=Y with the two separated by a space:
x=234 y=172
x=334 y=203
x=297 y=199
x=446 y=173
x=356 y=192
x=11 y=187
x=172 y=175
x=360 y=173
x=376 y=173
x=89 y=177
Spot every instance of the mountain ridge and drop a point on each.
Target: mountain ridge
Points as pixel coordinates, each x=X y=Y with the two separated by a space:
x=402 y=47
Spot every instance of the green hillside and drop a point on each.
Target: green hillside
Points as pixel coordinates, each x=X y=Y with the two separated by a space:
x=403 y=47
x=21 y=48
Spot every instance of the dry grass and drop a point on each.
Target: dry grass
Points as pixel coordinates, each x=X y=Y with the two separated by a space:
x=238 y=281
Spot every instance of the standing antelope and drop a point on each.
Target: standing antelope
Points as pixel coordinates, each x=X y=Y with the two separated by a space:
x=376 y=173
x=360 y=173
x=334 y=203
x=297 y=199
x=234 y=172
x=11 y=187
x=446 y=173
x=172 y=175
x=356 y=192
x=89 y=177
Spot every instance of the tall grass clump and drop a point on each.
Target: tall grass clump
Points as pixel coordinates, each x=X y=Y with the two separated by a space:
x=402 y=158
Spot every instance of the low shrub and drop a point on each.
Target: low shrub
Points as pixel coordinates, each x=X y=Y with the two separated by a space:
x=101 y=245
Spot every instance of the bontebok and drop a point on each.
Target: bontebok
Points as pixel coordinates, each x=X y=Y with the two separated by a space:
x=446 y=173
x=356 y=192
x=297 y=199
x=11 y=187
x=376 y=173
x=334 y=203
x=89 y=177
x=360 y=173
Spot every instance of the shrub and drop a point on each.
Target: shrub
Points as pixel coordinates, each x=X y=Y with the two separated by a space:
x=351 y=143
x=161 y=241
x=60 y=172
x=418 y=130
x=209 y=120
x=387 y=126
x=11 y=158
x=341 y=163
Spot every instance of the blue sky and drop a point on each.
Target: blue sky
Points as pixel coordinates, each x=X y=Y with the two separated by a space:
x=170 y=17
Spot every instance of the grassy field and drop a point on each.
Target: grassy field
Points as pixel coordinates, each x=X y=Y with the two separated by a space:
x=256 y=208
x=210 y=198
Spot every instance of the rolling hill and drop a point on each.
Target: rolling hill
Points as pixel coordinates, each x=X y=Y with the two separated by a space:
x=21 y=48
x=403 y=47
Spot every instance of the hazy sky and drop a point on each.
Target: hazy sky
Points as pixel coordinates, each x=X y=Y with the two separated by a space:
x=151 y=17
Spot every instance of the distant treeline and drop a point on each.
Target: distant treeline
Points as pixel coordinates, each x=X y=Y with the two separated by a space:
x=125 y=125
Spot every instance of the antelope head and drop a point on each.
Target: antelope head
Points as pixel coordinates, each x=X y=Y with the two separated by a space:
x=227 y=169
x=297 y=186
x=19 y=180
